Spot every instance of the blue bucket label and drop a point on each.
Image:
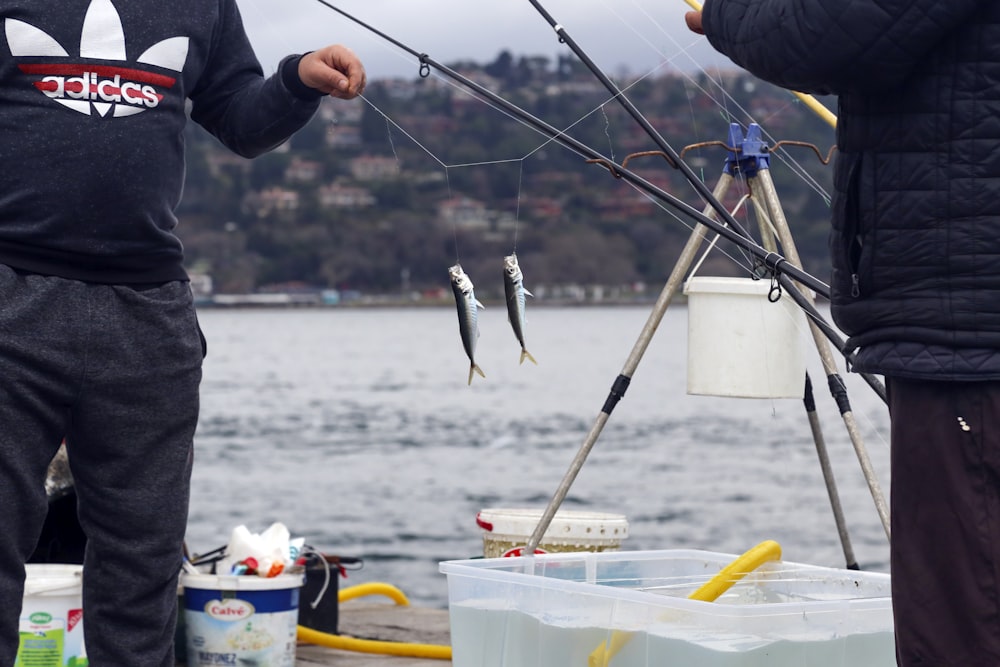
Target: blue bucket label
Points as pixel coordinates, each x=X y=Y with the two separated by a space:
x=241 y=627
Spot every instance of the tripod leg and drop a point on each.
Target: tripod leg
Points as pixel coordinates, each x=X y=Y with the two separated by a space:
x=674 y=281
x=763 y=184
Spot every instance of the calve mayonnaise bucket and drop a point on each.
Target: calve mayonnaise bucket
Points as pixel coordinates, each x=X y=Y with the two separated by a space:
x=241 y=620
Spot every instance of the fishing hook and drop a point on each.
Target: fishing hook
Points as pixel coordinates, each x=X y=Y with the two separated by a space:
x=607 y=164
x=671 y=161
x=706 y=144
x=789 y=142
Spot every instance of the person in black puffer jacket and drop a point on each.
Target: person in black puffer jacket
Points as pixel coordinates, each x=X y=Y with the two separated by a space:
x=915 y=249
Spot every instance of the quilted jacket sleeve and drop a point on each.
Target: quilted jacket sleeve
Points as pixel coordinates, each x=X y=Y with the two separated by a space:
x=832 y=46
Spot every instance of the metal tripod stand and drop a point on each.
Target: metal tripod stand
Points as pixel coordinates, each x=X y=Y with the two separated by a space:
x=748 y=157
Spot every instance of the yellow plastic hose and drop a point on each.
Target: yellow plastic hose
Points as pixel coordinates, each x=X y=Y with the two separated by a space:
x=709 y=592
x=373 y=588
x=806 y=98
x=432 y=651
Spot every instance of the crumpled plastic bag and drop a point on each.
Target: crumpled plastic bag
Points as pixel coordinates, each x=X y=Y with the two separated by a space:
x=265 y=554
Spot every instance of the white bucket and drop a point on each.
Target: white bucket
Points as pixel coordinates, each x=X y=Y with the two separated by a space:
x=241 y=620
x=508 y=531
x=51 y=622
x=740 y=344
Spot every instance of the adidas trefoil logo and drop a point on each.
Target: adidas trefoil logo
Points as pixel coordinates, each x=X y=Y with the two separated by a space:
x=90 y=87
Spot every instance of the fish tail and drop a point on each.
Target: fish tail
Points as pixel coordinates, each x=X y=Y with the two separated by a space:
x=527 y=355
x=474 y=368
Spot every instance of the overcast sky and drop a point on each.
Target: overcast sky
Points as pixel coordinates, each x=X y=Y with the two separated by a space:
x=635 y=34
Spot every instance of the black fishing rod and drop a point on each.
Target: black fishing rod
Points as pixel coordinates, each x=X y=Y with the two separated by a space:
x=772 y=261
x=672 y=157
x=675 y=161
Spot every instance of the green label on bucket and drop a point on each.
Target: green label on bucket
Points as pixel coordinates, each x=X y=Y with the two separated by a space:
x=41 y=648
x=46 y=640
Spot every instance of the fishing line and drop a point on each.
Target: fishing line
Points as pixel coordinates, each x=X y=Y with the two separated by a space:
x=686 y=51
x=607 y=133
x=697 y=265
x=508 y=114
x=517 y=207
x=781 y=153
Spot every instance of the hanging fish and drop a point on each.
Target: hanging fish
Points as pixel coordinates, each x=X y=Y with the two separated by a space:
x=513 y=287
x=468 y=315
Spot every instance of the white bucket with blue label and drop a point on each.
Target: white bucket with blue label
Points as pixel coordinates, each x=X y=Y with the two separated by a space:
x=241 y=620
x=51 y=621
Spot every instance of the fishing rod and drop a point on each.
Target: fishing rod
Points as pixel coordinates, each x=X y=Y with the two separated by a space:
x=672 y=157
x=772 y=261
x=713 y=201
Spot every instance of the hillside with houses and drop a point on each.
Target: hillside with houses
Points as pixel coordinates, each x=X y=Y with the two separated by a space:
x=379 y=196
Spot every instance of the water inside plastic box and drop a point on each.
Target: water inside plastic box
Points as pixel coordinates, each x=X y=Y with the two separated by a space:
x=556 y=609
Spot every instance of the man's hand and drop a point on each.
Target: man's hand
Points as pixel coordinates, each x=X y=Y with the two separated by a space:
x=334 y=70
x=693 y=20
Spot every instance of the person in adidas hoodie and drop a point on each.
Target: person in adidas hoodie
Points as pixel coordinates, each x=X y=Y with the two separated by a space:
x=99 y=342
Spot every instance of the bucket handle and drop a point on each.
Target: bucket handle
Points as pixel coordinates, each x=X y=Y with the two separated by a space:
x=35 y=590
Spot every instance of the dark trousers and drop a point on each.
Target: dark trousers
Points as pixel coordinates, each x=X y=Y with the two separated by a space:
x=945 y=500
x=115 y=371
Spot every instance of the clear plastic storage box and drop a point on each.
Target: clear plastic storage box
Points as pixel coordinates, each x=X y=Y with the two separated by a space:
x=558 y=610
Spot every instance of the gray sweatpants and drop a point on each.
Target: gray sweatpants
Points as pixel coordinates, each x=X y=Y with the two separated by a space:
x=115 y=371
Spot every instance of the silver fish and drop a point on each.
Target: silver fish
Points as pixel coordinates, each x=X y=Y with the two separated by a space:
x=513 y=287
x=468 y=315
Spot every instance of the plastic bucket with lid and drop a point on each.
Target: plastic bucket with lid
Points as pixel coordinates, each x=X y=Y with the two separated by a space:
x=241 y=620
x=51 y=621
x=740 y=344
x=508 y=531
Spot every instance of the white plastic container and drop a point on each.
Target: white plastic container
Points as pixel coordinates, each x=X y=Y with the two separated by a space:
x=557 y=609
x=51 y=622
x=507 y=531
x=740 y=344
x=241 y=620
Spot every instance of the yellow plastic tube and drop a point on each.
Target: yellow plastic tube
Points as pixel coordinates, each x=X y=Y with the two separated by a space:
x=709 y=592
x=373 y=588
x=431 y=651
x=806 y=98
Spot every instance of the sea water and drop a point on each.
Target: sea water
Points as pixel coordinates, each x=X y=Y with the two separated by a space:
x=357 y=429
x=493 y=635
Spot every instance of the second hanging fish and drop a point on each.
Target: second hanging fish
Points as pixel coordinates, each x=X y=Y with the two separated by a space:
x=513 y=287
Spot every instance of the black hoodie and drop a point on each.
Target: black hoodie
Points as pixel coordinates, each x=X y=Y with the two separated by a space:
x=92 y=111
